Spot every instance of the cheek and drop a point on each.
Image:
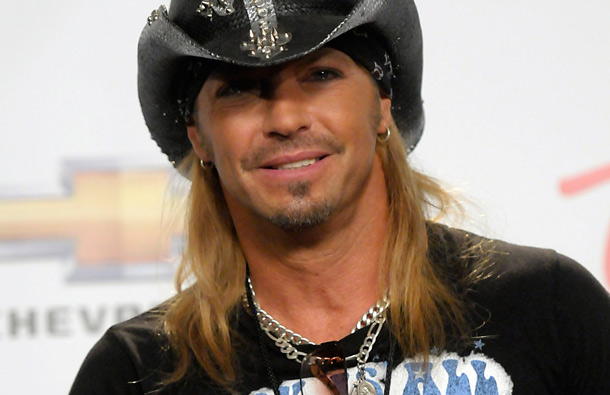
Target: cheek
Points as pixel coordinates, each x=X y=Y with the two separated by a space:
x=226 y=153
x=356 y=114
x=207 y=146
x=229 y=141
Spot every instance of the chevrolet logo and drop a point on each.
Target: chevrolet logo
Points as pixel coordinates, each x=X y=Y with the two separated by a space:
x=110 y=221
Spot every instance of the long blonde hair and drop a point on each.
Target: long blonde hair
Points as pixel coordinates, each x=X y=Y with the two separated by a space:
x=211 y=275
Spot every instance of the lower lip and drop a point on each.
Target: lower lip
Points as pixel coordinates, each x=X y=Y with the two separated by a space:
x=298 y=174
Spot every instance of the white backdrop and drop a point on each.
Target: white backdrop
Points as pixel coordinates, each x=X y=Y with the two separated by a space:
x=517 y=96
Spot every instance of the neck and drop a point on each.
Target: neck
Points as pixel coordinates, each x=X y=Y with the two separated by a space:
x=329 y=272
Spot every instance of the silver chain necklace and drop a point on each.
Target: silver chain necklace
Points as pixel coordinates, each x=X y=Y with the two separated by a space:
x=268 y=323
x=362 y=386
x=286 y=339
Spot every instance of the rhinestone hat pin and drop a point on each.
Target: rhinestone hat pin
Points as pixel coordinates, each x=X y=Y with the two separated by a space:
x=264 y=39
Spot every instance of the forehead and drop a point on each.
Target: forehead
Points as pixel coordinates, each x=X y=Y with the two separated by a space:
x=326 y=54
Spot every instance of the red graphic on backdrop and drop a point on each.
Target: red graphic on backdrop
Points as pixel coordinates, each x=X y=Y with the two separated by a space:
x=582 y=182
x=585 y=181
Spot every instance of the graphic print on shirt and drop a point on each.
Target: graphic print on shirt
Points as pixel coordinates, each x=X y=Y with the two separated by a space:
x=446 y=374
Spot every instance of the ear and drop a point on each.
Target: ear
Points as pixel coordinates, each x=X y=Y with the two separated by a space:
x=385 y=104
x=197 y=142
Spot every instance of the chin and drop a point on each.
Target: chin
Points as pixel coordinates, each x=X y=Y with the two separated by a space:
x=302 y=216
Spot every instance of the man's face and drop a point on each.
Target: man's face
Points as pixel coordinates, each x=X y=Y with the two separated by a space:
x=293 y=144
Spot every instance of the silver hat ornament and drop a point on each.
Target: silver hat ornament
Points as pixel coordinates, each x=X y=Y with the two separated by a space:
x=264 y=39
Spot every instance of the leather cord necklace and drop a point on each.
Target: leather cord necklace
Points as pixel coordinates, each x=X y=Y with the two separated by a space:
x=261 y=339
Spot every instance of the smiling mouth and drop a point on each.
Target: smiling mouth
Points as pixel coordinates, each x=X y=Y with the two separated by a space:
x=298 y=164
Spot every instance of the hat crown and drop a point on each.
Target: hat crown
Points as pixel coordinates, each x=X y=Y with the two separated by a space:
x=236 y=35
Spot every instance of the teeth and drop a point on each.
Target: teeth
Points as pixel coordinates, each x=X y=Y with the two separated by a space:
x=297 y=165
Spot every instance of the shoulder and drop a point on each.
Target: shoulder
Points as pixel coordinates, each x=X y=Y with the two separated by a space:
x=141 y=333
x=538 y=312
x=130 y=358
x=518 y=286
x=502 y=262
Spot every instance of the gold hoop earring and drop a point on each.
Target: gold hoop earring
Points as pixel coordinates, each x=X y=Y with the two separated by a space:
x=382 y=138
x=206 y=165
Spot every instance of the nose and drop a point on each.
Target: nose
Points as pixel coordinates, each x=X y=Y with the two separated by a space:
x=286 y=112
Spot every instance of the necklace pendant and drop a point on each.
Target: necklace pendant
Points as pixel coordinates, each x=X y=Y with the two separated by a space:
x=365 y=388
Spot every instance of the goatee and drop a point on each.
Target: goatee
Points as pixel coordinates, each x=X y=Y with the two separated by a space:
x=302 y=213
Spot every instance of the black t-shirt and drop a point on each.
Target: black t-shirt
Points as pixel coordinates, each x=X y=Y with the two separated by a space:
x=546 y=331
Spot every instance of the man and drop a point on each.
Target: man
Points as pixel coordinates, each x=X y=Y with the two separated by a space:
x=310 y=264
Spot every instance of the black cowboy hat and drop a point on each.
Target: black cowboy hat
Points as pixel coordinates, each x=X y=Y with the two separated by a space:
x=266 y=32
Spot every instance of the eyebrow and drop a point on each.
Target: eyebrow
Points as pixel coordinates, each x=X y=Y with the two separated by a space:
x=230 y=71
x=226 y=71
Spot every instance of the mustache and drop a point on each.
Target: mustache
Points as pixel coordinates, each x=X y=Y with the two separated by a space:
x=273 y=148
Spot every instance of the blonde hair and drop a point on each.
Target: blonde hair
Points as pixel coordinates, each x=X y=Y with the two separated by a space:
x=211 y=275
x=422 y=305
